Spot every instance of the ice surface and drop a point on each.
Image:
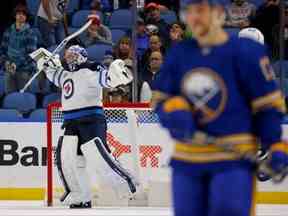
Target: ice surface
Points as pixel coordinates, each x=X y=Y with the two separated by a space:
x=12 y=208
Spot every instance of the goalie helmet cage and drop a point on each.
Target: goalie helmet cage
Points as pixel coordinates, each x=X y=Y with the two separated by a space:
x=124 y=120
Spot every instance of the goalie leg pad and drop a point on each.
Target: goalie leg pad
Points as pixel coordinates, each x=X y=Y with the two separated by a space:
x=71 y=171
x=107 y=167
x=115 y=165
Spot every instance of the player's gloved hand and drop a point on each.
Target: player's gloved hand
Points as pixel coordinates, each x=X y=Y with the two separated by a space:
x=118 y=74
x=279 y=157
x=52 y=65
x=277 y=162
x=175 y=115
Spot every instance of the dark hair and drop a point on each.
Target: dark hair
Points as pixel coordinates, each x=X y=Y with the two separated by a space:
x=182 y=25
x=21 y=8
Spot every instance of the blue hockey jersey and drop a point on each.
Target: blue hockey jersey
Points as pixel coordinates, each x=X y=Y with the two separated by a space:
x=233 y=94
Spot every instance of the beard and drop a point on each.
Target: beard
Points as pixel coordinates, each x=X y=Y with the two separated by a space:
x=201 y=30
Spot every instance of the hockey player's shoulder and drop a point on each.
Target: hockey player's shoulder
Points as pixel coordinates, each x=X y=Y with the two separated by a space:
x=249 y=47
x=93 y=66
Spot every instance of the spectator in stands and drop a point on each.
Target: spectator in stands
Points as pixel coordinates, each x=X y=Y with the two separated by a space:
x=6 y=11
x=239 y=14
x=155 y=44
x=152 y=16
x=96 y=33
x=276 y=38
x=267 y=17
x=18 y=42
x=50 y=21
x=155 y=62
x=123 y=49
x=142 y=40
x=166 y=4
x=176 y=33
x=96 y=5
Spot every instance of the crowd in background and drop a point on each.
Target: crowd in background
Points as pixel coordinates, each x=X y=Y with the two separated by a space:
x=158 y=28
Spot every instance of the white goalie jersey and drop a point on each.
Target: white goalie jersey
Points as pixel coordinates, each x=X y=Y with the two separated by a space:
x=83 y=87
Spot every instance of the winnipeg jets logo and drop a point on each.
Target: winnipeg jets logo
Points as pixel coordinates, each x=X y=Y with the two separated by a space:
x=68 y=88
x=206 y=90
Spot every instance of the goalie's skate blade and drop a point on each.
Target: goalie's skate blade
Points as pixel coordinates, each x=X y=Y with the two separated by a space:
x=81 y=205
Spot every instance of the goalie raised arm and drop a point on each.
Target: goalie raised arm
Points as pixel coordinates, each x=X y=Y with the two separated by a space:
x=117 y=74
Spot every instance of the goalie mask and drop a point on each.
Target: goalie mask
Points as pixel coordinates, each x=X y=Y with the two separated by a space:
x=75 y=56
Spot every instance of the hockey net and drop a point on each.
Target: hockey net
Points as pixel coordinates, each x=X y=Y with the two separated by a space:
x=133 y=134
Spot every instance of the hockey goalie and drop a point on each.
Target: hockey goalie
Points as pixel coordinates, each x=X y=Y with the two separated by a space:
x=84 y=139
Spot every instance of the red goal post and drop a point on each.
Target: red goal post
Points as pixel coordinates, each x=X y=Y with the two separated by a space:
x=133 y=135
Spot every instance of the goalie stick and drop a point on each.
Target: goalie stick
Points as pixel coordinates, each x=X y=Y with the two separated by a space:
x=58 y=50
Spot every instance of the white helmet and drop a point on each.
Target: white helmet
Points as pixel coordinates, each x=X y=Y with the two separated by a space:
x=253 y=34
x=77 y=56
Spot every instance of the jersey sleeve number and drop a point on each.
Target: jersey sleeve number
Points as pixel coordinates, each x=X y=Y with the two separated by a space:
x=267 y=69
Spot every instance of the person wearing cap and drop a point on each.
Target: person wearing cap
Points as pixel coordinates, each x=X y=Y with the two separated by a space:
x=239 y=13
x=166 y=4
x=96 y=33
x=50 y=18
x=152 y=17
x=217 y=96
x=18 y=42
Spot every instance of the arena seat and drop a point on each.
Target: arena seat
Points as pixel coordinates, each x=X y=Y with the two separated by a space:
x=80 y=18
x=73 y=5
x=169 y=16
x=257 y=3
x=117 y=34
x=53 y=97
x=38 y=115
x=23 y=102
x=121 y=19
x=71 y=30
x=96 y=52
x=33 y=6
x=2 y=85
x=10 y=115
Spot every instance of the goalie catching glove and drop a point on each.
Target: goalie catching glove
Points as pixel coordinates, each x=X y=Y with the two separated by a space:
x=118 y=74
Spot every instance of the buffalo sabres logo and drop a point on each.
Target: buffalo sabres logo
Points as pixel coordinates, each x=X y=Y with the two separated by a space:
x=206 y=90
x=68 y=88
